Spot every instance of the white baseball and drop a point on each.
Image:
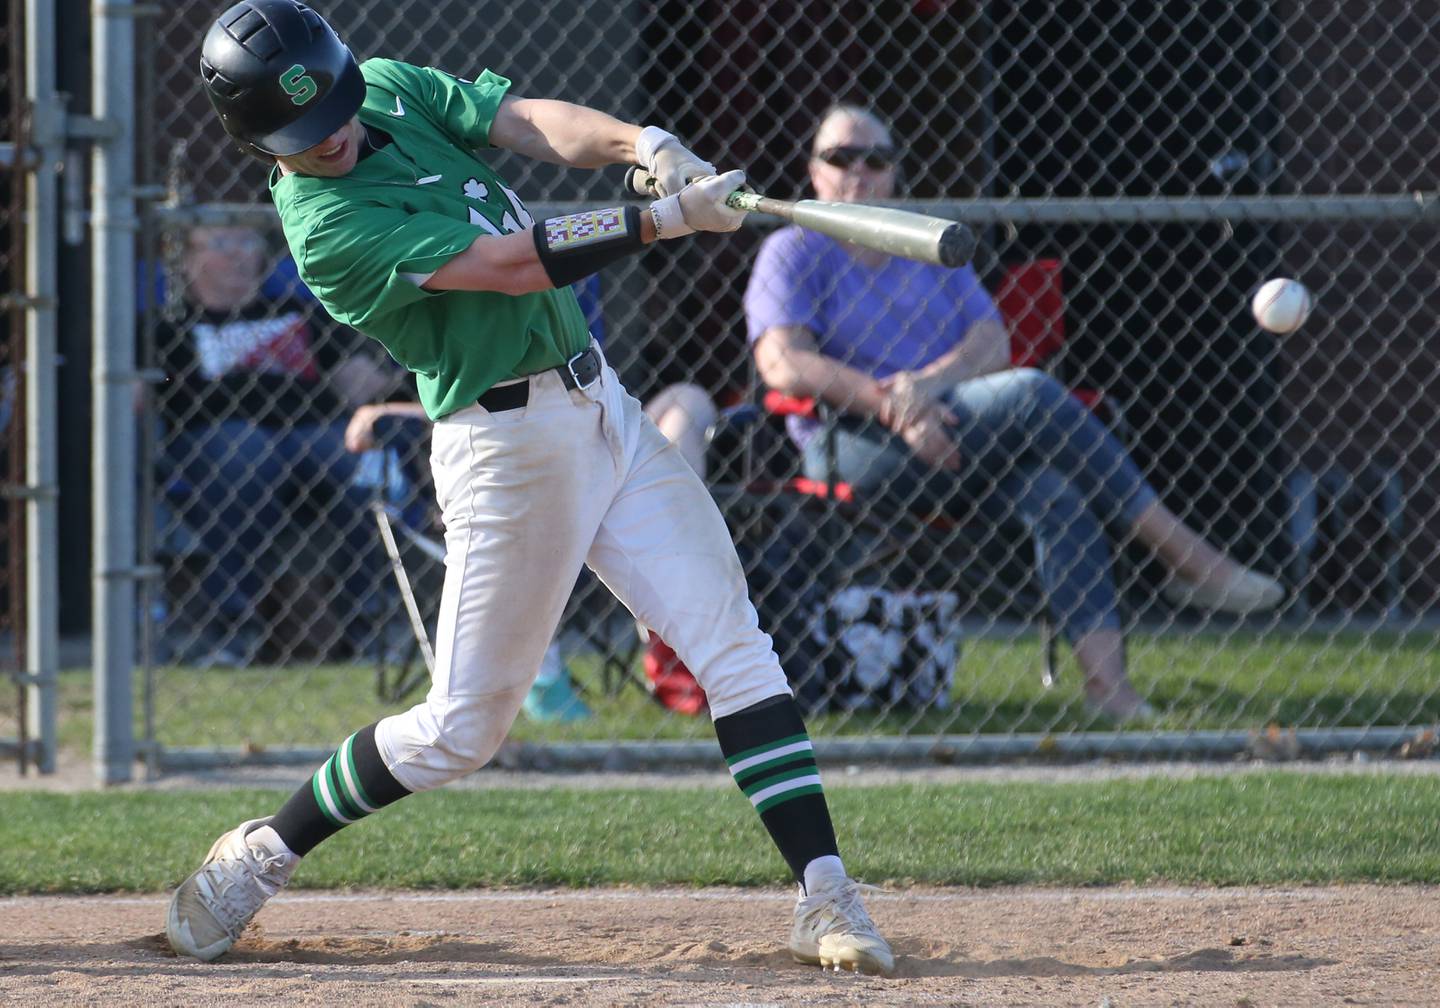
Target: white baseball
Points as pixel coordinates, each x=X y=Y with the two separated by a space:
x=1281 y=305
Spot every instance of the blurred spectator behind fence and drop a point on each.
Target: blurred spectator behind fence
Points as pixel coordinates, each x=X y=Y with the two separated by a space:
x=933 y=419
x=252 y=410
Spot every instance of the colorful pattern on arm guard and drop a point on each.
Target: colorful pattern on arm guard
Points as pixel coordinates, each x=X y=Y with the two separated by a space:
x=576 y=245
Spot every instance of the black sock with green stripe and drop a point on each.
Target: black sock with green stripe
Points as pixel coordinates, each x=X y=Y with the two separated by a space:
x=349 y=786
x=769 y=754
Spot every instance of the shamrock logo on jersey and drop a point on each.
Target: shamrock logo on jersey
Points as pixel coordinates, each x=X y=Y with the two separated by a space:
x=477 y=190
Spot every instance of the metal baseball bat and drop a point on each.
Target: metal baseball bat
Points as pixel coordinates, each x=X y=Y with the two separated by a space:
x=896 y=232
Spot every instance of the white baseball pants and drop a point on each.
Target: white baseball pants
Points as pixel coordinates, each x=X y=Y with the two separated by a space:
x=528 y=495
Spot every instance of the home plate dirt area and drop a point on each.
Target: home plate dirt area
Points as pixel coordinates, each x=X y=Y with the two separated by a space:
x=1237 y=947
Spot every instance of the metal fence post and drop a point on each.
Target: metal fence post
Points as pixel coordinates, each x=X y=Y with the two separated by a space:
x=113 y=381
x=42 y=592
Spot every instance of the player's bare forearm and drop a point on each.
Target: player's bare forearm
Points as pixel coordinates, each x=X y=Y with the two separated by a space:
x=504 y=263
x=562 y=133
x=508 y=264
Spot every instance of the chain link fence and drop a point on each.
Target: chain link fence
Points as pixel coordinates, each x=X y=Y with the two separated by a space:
x=1136 y=170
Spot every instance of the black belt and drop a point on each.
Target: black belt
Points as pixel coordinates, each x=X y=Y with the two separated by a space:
x=579 y=371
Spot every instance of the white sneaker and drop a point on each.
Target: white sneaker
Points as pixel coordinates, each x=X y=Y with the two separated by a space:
x=213 y=905
x=833 y=929
x=1246 y=592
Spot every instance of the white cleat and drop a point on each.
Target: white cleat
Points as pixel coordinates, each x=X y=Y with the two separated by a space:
x=833 y=930
x=1246 y=592
x=212 y=906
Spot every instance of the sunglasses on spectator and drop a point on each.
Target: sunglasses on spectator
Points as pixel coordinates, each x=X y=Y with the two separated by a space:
x=844 y=157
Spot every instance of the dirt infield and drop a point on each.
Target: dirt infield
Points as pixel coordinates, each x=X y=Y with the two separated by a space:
x=1234 y=947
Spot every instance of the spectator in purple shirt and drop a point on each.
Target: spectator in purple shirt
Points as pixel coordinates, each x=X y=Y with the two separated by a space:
x=916 y=361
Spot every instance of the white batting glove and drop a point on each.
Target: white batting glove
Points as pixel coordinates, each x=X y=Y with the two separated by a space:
x=702 y=202
x=700 y=206
x=669 y=162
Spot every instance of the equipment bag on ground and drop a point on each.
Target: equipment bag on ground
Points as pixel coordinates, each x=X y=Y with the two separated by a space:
x=846 y=640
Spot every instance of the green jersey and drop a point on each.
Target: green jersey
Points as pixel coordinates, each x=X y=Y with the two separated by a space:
x=365 y=242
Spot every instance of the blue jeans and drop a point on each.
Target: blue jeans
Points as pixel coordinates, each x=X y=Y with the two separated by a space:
x=1029 y=452
x=242 y=483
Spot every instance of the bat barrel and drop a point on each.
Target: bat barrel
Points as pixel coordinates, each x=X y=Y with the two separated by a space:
x=897 y=232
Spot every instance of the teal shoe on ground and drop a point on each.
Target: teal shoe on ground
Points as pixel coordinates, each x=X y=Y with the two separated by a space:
x=555 y=701
x=552 y=697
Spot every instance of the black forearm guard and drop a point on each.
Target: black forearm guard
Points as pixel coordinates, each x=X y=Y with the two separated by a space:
x=576 y=245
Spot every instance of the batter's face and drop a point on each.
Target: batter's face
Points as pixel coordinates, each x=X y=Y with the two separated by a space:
x=330 y=158
x=864 y=152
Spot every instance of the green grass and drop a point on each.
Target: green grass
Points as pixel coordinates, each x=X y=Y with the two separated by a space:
x=1258 y=829
x=1210 y=680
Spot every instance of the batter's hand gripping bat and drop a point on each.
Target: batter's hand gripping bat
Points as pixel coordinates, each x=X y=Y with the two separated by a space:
x=897 y=232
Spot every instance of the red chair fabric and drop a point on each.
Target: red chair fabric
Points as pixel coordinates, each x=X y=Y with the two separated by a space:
x=780 y=404
x=671 y=683
x=1031 y=297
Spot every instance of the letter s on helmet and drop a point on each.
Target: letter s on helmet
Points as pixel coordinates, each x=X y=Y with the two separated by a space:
x=279 y=76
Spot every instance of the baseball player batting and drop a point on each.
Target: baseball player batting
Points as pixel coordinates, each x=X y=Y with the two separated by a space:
x=542 y=461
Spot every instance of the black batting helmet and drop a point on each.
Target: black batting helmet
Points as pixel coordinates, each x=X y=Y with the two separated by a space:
x=279 y=76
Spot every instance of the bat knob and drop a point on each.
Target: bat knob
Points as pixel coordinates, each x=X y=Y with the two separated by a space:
x=639 y=181
x=642 y=183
